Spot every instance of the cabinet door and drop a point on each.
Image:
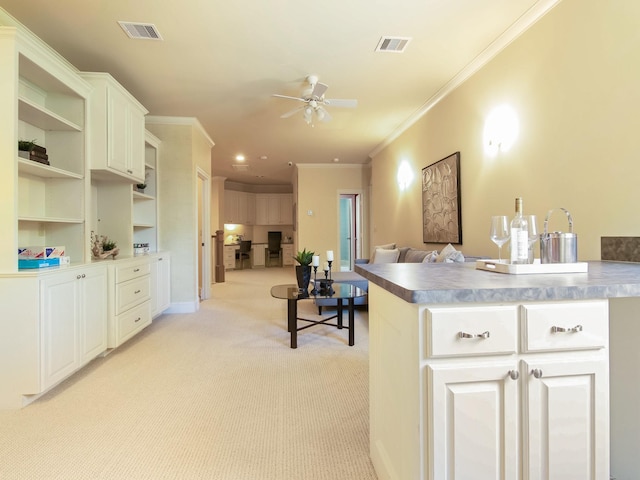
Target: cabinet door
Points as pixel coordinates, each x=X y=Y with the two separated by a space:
x=287 y=254
x=474 y=433
x=230 y=206
x=93 y=313
x=262 y=209
x=286 y=209
x=567 y=420
x=59 y=335
x=257 y=255
x=160 y=285
x=119 y=122
x=136 y=151
x=273 y=209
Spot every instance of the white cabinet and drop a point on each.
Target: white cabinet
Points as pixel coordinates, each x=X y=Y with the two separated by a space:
x=287 y=254
x=53 y=322
x=129 y=299
x=160 y=282
x=229 y=254
x=257 y=255
x=239 y=207
x=74 y=321
x=274 y=209
x=116 y=130
x=43 y=99
x=510 y=391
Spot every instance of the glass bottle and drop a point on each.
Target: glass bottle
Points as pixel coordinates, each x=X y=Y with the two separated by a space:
x=519 y=243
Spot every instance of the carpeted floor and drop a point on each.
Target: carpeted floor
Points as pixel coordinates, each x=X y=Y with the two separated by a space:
x=213 y=395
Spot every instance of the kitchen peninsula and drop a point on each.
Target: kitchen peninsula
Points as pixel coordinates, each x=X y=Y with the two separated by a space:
x=483 y=375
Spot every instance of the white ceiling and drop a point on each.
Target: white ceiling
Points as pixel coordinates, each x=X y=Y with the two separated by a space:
x=221 y=60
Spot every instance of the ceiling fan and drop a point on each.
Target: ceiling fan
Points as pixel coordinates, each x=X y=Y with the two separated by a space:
x=315 y=103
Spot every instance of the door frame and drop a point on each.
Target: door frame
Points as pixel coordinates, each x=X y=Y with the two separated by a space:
x=359 y=222
x=204 y=243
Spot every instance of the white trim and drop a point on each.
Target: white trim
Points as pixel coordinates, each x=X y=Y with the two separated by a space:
x=528 y=19
x=202 y=175
x=187 y=121
x=331 y=165
x=183 y=307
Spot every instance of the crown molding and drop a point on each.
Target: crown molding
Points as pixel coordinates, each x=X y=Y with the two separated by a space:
x=184 y=121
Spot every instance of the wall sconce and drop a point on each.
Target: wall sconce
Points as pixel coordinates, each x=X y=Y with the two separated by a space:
x=405 y=175
x=501 y=130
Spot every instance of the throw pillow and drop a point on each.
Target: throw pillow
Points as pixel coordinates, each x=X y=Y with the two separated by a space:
x=403 y=254
x=431 y=257
x=388 y=246
x=449 y=254
x=384 y=255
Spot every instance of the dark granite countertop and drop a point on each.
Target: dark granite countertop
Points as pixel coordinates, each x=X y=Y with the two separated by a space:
x=463 y=283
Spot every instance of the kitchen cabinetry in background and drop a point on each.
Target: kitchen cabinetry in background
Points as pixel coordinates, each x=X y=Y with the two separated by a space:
x=229 y=253
x=117 y=132
x=43 y=100
x=257 y=254
x=287 y=254
x=239 y=207
x=274 y=209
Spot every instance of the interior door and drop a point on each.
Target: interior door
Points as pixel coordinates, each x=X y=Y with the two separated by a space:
x=348 y=230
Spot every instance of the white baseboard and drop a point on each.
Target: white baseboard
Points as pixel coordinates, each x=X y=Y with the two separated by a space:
x=183 y=307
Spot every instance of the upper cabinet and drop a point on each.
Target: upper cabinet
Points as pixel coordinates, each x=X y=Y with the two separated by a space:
x=116 y=130
x=43 y=100
x=274 y=209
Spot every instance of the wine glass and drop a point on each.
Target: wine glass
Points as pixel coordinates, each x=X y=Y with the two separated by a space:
x=499 y=232
x=533 y=235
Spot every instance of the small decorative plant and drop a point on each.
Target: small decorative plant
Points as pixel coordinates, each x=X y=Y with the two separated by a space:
x=141 y=186
x=304 y=257
x=103 y=247
x=26 y=145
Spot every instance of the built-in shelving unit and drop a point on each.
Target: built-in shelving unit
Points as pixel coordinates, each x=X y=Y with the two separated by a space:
x=145 y=205
x=43 y=204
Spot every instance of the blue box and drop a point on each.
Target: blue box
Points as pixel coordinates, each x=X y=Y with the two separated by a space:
x=38 y=262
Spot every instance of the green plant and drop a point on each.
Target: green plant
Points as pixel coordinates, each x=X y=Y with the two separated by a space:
x=141 y=186
x=304 y=258
x=26 y=145
x=108 y=245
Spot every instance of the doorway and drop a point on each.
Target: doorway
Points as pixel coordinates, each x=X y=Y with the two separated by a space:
x=204 y=234
x=349 y=230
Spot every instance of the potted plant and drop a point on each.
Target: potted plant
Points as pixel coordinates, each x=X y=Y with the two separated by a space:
x=141 y=187
x=102 y=247
x=303 y=270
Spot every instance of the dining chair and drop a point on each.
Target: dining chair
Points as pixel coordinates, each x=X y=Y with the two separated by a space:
x=244 y=253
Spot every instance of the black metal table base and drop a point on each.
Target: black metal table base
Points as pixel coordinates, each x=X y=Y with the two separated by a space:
x=292 y=313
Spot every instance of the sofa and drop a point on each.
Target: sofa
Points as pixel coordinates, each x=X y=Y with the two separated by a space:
x=390 y=253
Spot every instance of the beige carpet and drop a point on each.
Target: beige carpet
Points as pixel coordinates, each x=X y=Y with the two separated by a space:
x=213 y=395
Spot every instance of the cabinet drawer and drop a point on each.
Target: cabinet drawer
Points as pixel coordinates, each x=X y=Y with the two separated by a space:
x=471 y=331
x=565 y=326
x=133 y=321
x=128 y=272
x=131 y=293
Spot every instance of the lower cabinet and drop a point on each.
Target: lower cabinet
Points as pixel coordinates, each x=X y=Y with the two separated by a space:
x=129 y=299
x=160 y=283
x=229 y=256
x=52 y=324
x=287 y=254
x=257 y=255
x=513 y=391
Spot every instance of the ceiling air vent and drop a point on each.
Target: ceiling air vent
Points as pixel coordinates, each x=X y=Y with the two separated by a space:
x=240 y=168
x=145 y=31
x=392 y=44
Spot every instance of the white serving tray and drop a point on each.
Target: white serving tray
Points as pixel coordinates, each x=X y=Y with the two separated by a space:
x=531 y=268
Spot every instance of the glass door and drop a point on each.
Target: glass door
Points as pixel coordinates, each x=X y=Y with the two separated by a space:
x=348 y=230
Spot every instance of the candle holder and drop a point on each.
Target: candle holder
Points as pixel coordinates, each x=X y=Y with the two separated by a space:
x=314 y=291
x=329 y=262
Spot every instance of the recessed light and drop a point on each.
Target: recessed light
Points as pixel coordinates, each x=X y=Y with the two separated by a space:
x=336 y=160
x=263 y=157
x=240 y=158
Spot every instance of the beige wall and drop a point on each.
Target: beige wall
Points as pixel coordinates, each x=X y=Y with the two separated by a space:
x=318 y=188
x=573 y=78
x=184 y=147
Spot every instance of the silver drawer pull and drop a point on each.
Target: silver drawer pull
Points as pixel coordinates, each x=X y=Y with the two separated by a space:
x=536 y=372
x=472 y=335
x=137 y=320
x=136 y=292
x=136 y=270
x=577 y=328
x=514 y=374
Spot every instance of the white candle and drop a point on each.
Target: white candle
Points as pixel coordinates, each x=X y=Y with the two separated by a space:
x=316 y=260
x=330 y=255
x=326 y=267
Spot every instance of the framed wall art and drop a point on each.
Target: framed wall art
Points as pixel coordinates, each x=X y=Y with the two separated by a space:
x=441 y=215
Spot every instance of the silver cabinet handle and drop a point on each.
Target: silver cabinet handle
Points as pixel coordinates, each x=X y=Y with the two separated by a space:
x=472 y=335
x=78 y=277
x=514 y=374
x=577 y=328
x=137 y=320
x=84 y=276
x=536 y=372
x=136 y=292
x=136 y=270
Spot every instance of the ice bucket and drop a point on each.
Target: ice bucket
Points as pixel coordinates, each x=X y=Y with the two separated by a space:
x=558 y=247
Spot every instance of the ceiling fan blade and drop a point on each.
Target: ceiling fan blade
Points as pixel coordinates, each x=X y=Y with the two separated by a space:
x=323 y=115
x=288 y=97
x=341 y=102
x=319 y=89
x=291 y=113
